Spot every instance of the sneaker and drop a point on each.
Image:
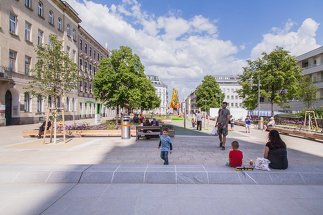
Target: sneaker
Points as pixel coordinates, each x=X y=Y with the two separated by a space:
x=223 y=147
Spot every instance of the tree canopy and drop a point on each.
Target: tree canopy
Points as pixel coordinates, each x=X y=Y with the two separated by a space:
x=121 y=81
x=55 y=74
x=279 y=77
x=174 y=103
x=308 y=92
x=209 y=94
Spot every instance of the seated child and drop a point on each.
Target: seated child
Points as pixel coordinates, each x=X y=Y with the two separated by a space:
x=235 y=155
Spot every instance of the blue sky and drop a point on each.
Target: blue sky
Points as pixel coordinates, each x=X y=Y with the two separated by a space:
x=183 y=40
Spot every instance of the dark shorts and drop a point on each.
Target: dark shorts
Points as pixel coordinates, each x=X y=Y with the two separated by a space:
x=223 y=130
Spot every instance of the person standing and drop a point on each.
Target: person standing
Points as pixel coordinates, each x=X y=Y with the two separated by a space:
x=248 y=124
x=222 y=123
x=199 y=117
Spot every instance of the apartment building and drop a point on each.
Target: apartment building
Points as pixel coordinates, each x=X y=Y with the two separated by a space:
x=90 y=53
x=162 y=93
x=229 y=85
x=24 y=24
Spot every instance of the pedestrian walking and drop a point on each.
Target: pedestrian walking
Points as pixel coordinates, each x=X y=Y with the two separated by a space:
x=165 y=145
x=222 y=123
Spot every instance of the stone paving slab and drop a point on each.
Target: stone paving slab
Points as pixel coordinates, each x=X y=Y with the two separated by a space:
x=156 y=174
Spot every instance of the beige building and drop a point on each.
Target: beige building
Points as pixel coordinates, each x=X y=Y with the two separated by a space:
x=23 y=26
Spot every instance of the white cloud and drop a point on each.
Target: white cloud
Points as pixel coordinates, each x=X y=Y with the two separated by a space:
x=297 y=42
x=180 y=51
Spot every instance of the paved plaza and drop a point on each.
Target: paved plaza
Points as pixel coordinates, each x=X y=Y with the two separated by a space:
x=113 y=176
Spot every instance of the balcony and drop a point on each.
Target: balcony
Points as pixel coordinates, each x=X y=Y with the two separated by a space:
x=5 y=74
x=312 y=69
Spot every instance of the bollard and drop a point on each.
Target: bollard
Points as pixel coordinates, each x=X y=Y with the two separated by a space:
x=261 y=123
x=125 y=127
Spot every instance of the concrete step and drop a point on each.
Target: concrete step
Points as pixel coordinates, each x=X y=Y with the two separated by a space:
x=156 y=174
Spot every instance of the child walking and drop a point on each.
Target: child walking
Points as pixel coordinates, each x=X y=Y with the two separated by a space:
x=165 y=145
x=235 y=155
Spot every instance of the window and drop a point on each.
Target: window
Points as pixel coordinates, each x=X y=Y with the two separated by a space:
x=27 y=102
x=27 y=31
x=28 y=3
x=81 y=64
x=90 y=88
x=90 y=51
x=40 y=9
x=228 y=97
x=51 y=17
x=13 y=24
x=12 y=60
x=27 y=65
x=85 y=87
x=68 y=50
x=85 y=48
x=81 y=44
x=39 y=104
x=90 y=68
x=49 y=101
x=232 y=97
x=68 y=30
x=81 y=86
x=85 y=66
x=58 y=101
x=67 y=104
x=94 y=70
x=73 y=104
x=74 y=56
x=40 y=37
x=94 y=53
x=98 y=56
x=74 y=34
x=60 y=25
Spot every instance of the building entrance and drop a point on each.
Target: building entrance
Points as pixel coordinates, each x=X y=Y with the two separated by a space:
x=8 y=102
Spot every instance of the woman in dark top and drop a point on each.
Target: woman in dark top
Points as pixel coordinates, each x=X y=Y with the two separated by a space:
x=275 y=151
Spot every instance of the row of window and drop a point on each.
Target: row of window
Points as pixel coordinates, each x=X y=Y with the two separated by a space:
x=233 y=97
x=88 y=50
x=87 y=67
x=85 y=87
x=13 y=22
x=69 y=104
x=88 y=108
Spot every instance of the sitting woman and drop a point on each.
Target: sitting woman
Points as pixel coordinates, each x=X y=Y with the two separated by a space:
x=42 y=128
x=275 y=151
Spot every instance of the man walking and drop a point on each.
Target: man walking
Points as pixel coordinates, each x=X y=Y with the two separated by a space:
x=222 y=123
x=199 y=117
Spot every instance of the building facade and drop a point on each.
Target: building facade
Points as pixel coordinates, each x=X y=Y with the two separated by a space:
x=229 y=86
x=162 y=93
x=90 y=53
x=312 y=66
x=23 y=26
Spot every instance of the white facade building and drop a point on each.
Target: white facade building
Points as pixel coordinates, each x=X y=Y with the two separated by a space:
x=229 y=86
x=162 y=93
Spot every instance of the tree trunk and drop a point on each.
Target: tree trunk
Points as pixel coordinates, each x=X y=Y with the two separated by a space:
x=272 y=109
x=117 y=115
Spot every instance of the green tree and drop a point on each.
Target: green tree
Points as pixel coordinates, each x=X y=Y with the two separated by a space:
x=209 y=94
x=279 y=77
x=121 y=81
x=308 y=91
x=55 y=74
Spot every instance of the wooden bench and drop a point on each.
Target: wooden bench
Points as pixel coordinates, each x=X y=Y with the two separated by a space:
x=297 y=132
x=143 y=131
x=80 y=133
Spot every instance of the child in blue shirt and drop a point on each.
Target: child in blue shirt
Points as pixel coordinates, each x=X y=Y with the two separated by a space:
x=165 y=145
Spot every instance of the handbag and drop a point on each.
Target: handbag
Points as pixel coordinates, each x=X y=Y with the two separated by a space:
x=214 y=132
x=262 y=164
